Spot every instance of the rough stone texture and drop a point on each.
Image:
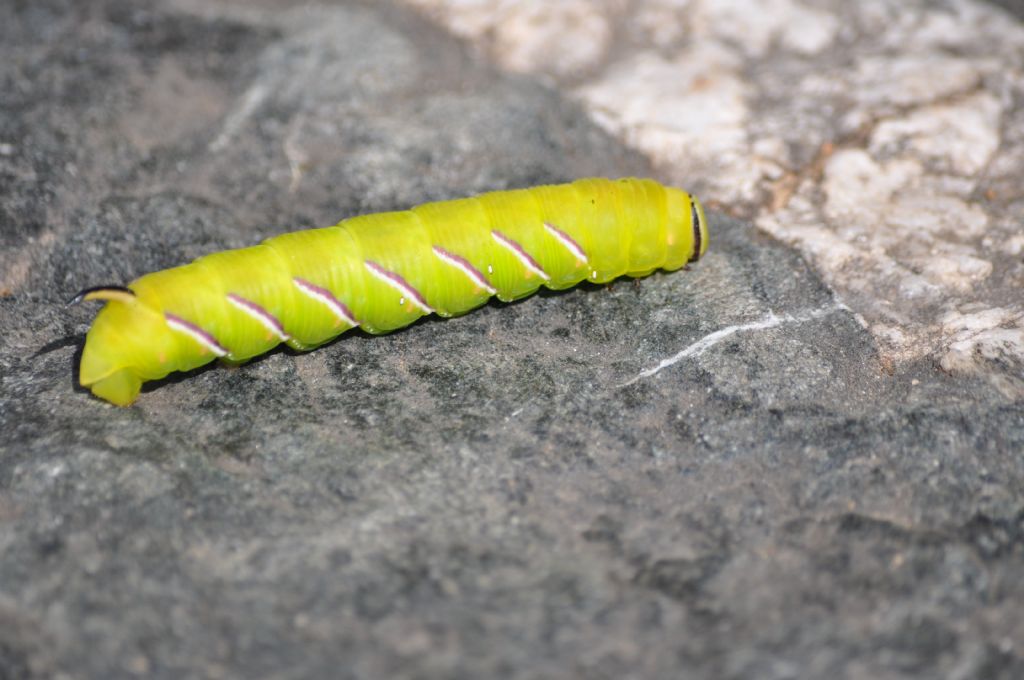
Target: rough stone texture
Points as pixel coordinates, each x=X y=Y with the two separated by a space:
x=884 y=139
x=716 y=473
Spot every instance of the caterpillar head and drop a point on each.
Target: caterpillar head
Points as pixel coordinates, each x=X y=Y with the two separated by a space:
x=688 y=228
x=128 y=343
x=699 y=224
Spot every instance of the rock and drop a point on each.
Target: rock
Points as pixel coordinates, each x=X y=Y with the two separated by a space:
x=718 y=471
x=762 y=106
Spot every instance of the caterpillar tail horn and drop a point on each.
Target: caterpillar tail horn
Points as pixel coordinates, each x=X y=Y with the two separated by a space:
x=119 y=293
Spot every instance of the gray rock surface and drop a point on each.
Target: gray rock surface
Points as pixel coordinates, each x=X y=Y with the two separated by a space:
x=712 y=474
x=884 y=139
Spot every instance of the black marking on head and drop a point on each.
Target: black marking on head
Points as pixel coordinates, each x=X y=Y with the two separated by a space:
x=695 y=219
x=101 y=293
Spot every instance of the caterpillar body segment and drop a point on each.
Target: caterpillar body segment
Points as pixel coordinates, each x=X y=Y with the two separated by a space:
x=381 y=272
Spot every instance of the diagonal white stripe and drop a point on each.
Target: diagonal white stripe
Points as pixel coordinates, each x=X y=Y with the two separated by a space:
x=521 y=255
x=396 y=282
x=265 y=318
x=463 y=266
x=566 y=241
x=196 y=333
x=324 y=297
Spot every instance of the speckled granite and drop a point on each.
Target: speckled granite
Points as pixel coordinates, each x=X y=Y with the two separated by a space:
x=718 y=473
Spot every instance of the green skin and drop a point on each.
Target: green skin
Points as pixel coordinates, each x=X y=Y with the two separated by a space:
x=383 y=272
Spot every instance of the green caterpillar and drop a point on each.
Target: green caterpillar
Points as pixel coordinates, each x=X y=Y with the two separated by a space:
x=381 y=272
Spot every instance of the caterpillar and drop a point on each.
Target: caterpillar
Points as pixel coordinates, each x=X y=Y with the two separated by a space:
x=381 y=272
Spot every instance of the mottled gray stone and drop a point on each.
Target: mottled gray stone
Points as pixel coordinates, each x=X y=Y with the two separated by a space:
x=514 y=493
x=884 y=139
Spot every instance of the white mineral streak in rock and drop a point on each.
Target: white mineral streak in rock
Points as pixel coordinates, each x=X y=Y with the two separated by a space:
x=878 y=137
x=769 y=320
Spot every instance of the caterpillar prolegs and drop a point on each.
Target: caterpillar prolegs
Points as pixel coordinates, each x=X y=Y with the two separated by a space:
x=381 y=272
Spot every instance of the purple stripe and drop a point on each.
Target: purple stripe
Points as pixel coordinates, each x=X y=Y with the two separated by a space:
x=473 y=272
x=533 y=264
x=400 y=282
x=579 y=253
x=209 y=339
x=338 y=306
x=259 y=311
